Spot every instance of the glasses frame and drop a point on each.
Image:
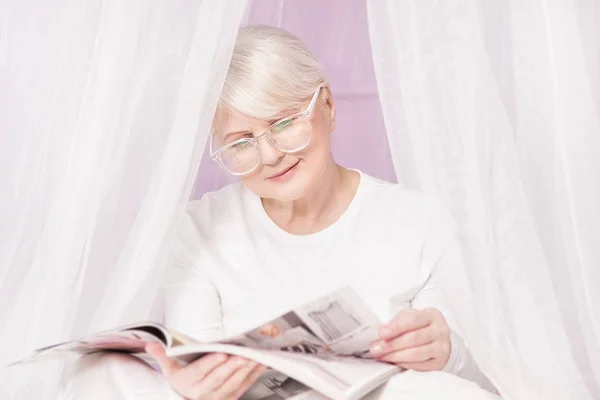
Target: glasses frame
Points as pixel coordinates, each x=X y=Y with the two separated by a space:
x=267 y=133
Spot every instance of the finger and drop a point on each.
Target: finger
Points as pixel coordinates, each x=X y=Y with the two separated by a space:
x=412 y=355
x=236 y=380
x=418 y=337
x=249 y=381
x=168 y=366
x=196 y=371
x=218 y=376
x=405 y=321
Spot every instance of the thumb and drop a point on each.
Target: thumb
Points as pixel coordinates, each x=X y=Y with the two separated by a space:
x=168 y=366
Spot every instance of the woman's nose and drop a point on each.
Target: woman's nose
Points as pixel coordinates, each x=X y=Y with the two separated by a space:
x=269 y=154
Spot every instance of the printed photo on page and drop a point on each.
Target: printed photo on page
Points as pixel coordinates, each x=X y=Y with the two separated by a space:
x=274 y=385
x=337 y=324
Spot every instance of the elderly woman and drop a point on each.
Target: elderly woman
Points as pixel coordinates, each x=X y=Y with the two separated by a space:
x=297 y=224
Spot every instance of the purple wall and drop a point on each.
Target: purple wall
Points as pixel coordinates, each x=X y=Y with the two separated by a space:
x=336 y=31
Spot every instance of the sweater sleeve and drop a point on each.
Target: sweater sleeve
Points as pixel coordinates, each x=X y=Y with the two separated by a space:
x=442 y=255
x=191 y=302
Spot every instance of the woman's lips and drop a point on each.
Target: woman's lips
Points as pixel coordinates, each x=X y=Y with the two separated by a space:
x=285 y=174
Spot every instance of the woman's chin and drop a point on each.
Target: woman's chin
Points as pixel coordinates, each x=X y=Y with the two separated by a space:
x=287 y=194
x=289 y=190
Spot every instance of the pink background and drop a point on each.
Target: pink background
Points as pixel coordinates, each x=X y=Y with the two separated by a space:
x=336 y=31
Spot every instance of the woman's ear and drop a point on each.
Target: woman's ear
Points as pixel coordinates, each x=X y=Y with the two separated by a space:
x=329 y=108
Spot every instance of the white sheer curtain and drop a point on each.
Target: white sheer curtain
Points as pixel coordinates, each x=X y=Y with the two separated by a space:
x=104 y=111
x=490 y=105
x=494 y=107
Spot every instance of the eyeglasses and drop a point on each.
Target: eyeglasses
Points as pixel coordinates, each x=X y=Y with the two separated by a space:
x=288 y=135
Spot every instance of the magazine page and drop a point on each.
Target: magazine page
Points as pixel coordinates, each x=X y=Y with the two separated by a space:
x=323 y=344
x=129 y=338
x=337 y=377
x=337 y=324
x=352 y=377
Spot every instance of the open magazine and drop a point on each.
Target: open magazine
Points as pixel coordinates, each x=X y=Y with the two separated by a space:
x=322 y=345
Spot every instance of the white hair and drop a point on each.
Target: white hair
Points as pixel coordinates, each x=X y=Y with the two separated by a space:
x=270 y=71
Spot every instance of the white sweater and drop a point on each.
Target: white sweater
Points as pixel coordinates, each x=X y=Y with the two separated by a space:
x=232 y=267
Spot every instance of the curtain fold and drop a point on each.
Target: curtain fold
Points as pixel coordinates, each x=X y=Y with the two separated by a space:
x=558 y=77
x=105 y=108
x=493 y=108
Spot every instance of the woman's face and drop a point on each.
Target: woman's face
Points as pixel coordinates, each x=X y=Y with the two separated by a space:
x=287 y=176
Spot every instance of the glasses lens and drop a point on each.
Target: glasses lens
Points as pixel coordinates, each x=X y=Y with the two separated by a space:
x=241 y=157
x=291 y=134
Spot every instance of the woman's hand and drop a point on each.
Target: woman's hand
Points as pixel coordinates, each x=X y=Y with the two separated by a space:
x=215 y=376
x=415 y=339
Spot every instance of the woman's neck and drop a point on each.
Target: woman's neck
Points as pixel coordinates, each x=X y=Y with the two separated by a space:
x=326 y=201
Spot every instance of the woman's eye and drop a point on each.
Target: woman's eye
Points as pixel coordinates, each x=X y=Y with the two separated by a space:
x=283 y=125
x=241 y=145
